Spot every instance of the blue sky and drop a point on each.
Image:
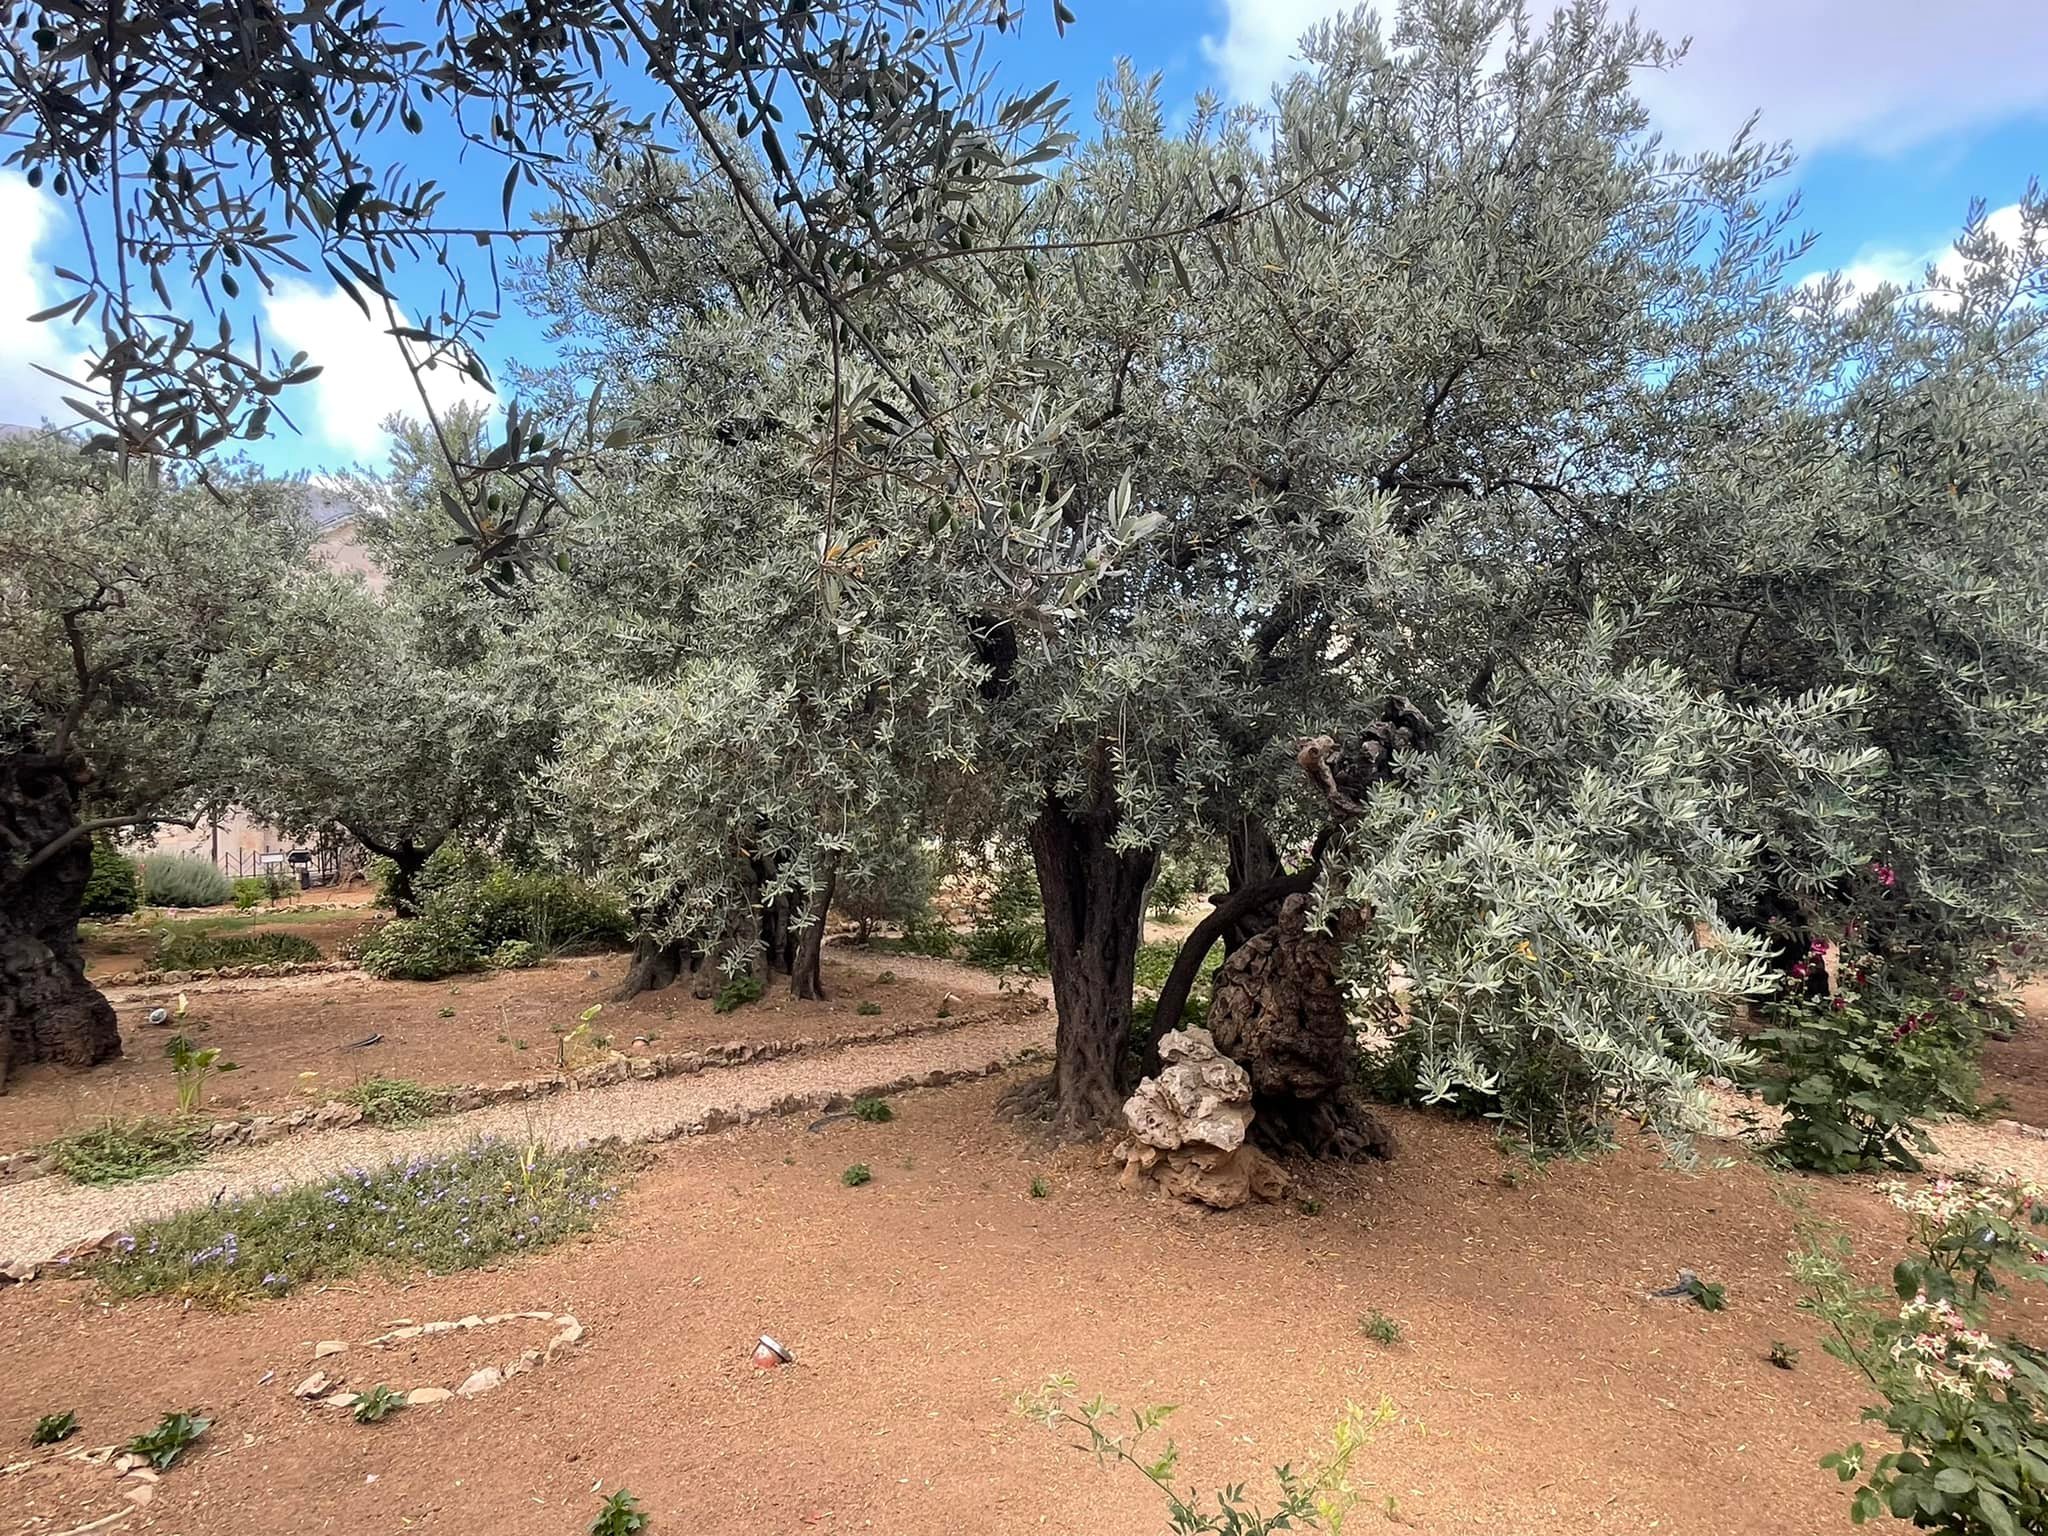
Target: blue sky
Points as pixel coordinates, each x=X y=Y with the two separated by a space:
x=1902 y=111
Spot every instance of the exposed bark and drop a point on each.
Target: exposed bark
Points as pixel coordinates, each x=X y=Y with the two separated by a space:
x=48 y=1010
x=1253 y=860
x=657 y=965
x=1094 y=897
x=806 y=973
x=1233 y=911
x=1278 y=1013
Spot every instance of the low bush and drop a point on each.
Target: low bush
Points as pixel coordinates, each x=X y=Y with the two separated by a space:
x=1970 y=1412
x=117 y=1151
x=249 y=891
x=1541 y=1095
x=441 y=1213
x=424 y=948
x=1184 y=874
x=737 y=993
x=200 y=950
x=112 y=890
x=888 y=885
x=1009 y=925
x=874 y=1111
x=515 y=955
x=1855 y=1079
x=183 y=880
x=392 y=1100
x=856 y=1175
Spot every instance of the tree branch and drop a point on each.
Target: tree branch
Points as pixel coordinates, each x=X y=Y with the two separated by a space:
x=66 y=838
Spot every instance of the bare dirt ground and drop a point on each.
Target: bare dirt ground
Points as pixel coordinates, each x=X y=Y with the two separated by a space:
x=498 y=1026
x=1537 y=1389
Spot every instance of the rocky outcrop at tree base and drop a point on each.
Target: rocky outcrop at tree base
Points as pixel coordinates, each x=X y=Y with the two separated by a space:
x=1188 y=1129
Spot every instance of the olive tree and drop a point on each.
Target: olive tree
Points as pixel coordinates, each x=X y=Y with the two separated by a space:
x=134 y=619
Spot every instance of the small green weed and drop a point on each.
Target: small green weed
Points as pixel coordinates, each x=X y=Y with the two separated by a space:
x=378 y=1404
x=868 y=1010
x=886 y=977
x=1309 y=1205
x=192 y=1065
x=392 y=1100
x=54 y=1427
x=856 y=1176
x=620 y=1516
x=444 y=1013
x=737 y=993
x=1783 y=1355
x=1709 y=1295
x=875 y=1111
x=1040 y=1189
x=1380 y=1328
x=167 y=1442
x=120 y=1150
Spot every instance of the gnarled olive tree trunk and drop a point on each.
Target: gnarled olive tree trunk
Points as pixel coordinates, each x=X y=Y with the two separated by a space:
x=1094 y=895
x=48 y=1010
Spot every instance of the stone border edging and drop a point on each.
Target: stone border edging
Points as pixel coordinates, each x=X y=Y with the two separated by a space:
x=255 y=1130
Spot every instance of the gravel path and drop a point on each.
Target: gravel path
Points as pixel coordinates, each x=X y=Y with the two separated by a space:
x=41 y=1217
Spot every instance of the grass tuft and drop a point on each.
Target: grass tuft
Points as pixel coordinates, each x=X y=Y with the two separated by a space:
x=1380 y=1328
x=393 y=1100
x=119 y=1151
x=438 y=1213
x=856 y=1176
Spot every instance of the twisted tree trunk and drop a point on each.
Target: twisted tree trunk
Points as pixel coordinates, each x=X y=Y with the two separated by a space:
x=48 y=1010
x=1094 y=896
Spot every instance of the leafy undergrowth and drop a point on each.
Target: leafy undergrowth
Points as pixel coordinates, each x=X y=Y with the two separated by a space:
x=117 y=1151
x=1155 y=964
x=442 y=1214
x=393 y=1100
x=205 y=951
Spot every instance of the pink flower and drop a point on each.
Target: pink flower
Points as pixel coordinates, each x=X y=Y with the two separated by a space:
x=1818 y=947
x=1841 y=1003
x=1799 y=969
x=1886 y=875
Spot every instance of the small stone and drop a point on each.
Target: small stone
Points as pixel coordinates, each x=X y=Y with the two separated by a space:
x=128 y=1462
x=312 y=1386
x=339 y=1399
x=431 y=1329
x=141 y=1475
x=471 y=1321
x=138 y=1494
x=481 y=1381
x=419 y=1397
x=328 y=1347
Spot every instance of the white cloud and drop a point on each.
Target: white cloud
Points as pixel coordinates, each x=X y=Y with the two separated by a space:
x=1883 y=74
x=363 y=379
x=29 y=221
x=1875 y=266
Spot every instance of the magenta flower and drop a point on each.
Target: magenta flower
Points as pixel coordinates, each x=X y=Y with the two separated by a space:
x=1886 y=875
x=1799 y=968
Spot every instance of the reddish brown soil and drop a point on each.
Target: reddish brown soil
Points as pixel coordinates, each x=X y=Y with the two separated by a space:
x=274 y=1030
x=2016 y=1070
x=1538 y=1390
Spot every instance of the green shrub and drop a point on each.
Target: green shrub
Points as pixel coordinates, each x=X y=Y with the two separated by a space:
x=54 y=1428
x=392 y=1100
x=874 y=1111
x=117 y=1151
x=515 y=955
x=382 y=873
x=424 y=948
x=1184 y=874
x=183 y=880
x=1969 y=1411
x=249 y=891
x=1854 y=1079
x=868 y=1010
x=926 y=936
x=856 y=1175
x=890 y=885
x=445 y=1213
x=200 y=950
x=737 y=993
x=112 y=888
x=378 y=1404
x=1009 y=928
x=1542 y=1094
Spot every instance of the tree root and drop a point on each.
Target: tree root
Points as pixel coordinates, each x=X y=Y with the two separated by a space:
x=1336 y=1128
